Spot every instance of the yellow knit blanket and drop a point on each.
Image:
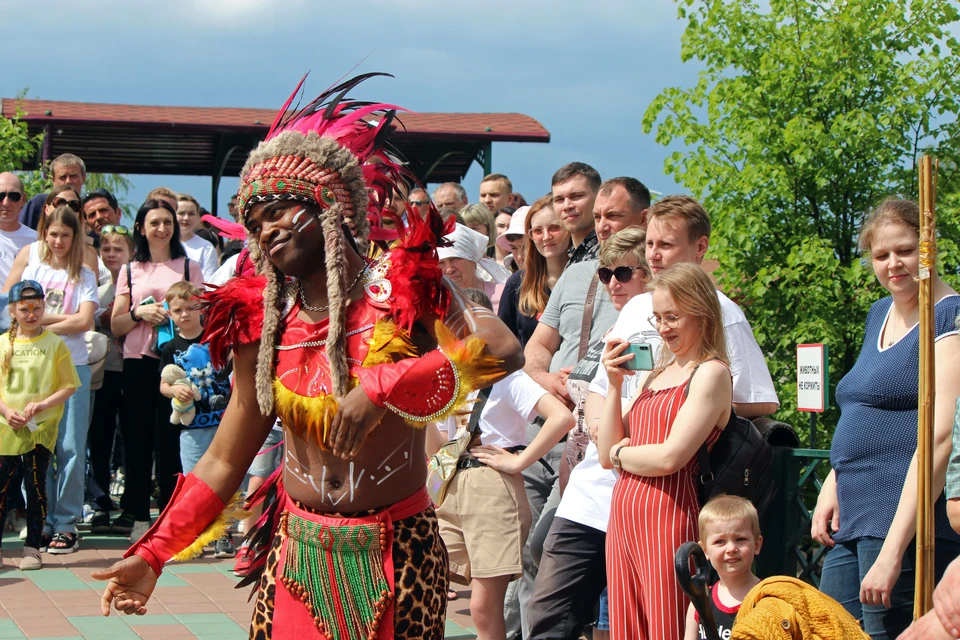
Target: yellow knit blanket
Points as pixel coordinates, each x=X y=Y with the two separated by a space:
x=784 y=608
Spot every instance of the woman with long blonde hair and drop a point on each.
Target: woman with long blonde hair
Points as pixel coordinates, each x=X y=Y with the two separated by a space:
x=70 y=304
x=684 y=402
x=527 y=291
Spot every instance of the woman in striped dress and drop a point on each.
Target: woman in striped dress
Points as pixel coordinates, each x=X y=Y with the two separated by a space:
x=653 y=444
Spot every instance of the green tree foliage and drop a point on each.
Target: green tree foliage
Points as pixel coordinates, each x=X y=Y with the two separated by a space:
x=806 y=114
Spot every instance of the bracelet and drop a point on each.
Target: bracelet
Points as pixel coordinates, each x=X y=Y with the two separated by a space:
x=133 y=315
x=616 y=456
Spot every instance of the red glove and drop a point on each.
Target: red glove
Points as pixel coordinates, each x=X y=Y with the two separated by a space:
x=193 y=506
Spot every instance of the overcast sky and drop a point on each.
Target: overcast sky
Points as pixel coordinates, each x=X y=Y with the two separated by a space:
x=585 y=70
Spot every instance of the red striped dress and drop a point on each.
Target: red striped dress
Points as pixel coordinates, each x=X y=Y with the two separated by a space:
x=649 y=519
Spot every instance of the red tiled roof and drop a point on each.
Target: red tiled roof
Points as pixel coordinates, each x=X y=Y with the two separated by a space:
x=495 y=127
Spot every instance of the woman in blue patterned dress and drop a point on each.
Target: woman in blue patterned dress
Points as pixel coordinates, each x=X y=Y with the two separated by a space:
x=867 y=507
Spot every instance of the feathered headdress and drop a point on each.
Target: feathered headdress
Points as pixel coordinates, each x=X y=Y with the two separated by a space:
x=332 y=154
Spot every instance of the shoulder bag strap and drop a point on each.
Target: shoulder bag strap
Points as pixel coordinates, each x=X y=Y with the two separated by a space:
x=130 y=286
x=186 y=268
x=474 y=424
x=587 y=317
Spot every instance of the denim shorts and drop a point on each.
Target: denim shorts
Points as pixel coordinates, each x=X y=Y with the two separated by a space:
x=270 y=456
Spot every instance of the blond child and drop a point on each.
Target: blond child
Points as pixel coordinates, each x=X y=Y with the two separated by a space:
x=186 y=351
x=38 y=376
x=730 y=537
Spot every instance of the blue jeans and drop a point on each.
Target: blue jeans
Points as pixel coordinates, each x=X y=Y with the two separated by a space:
x=847 y=564
x=65 y=474
x=603 y=621
x=193 y=444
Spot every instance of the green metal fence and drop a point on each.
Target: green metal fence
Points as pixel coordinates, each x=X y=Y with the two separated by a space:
x=787 y=546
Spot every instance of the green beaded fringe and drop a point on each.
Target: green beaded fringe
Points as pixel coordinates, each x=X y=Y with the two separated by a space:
x=328 y=566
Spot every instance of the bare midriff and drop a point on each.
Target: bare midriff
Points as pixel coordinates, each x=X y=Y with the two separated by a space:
x=391 y=466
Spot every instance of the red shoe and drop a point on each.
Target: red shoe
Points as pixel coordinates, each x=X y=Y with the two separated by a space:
x=244 y=559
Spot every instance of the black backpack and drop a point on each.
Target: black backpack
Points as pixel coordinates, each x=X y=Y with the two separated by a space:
x=740 y=463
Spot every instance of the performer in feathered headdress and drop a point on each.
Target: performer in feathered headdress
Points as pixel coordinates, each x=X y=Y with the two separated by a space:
x=354 y=357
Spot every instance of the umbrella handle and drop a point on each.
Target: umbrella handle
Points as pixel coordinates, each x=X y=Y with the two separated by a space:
x=695 y=584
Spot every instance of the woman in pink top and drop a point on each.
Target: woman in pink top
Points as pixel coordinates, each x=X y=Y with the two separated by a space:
x=158 y=262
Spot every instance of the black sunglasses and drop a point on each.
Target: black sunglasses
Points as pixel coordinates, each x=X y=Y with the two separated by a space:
x=13 y=195
x=73 y=204
x=622 y=274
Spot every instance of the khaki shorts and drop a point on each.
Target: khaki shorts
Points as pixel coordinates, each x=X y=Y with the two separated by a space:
x=484 y=522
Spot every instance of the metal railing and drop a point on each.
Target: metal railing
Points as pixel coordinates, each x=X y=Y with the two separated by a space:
x=787 y=546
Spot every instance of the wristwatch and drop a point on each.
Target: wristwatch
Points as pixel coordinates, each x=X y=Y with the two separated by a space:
x=616 y=457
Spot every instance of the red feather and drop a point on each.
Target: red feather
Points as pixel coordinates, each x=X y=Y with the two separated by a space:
x=414 y=268
x=234 y=316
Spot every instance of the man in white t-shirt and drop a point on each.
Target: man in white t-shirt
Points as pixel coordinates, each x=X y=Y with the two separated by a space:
x=197 y=248
x=13 y=235
x=572 y=569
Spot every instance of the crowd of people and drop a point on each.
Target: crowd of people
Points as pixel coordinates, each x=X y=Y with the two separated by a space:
x=578 y=480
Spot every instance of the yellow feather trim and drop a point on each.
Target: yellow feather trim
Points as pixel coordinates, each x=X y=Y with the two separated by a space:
x=309 y=417
x=215 y=530
x=389 y=343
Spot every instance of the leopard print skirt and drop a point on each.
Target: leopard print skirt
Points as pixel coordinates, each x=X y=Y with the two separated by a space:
x=420 y=578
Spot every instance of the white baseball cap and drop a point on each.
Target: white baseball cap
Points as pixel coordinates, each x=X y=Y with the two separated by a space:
x=517 y=226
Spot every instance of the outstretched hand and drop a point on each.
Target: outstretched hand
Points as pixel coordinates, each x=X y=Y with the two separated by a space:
x=356 y=417
x=131 y=582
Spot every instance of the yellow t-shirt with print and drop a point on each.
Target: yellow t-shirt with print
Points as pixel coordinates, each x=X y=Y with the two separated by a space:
x=39 y=367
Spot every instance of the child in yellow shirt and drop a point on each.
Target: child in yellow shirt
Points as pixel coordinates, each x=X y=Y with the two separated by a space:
x=36 y=377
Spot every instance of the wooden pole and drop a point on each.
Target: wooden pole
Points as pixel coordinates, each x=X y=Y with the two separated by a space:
x=923 y=601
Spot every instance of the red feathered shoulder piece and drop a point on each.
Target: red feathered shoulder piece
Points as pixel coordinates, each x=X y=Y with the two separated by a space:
x=414 y=273
x=234 y=316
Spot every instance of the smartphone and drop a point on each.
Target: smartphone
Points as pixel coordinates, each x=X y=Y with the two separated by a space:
x=642 y=357
x=148 y=300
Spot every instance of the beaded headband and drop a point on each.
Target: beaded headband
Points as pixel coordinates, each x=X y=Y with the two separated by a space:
x=293 y=178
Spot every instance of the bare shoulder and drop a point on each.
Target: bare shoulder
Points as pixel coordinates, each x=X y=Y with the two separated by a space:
x=711 y=376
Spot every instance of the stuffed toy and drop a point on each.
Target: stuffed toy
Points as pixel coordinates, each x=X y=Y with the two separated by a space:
x=183 y=412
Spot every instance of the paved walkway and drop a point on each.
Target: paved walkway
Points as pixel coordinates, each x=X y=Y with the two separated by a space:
x=192 y=600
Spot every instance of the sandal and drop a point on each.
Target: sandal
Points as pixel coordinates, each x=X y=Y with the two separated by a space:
x=452 y=595
x=66 y=543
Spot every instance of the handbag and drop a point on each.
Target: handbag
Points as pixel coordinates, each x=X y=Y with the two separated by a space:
x=165 y=332
x=578 y=384
x=97 y=347
x=443 y=464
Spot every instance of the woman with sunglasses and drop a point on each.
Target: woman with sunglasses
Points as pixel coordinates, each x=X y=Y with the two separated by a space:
x=683 y=403
x=71 y=303
x=159 y=261
x=527 y=291
x=116 y=250
x=59 y=196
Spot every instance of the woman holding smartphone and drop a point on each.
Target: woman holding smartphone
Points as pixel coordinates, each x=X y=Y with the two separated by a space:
x=684 y=403
x=158 y=261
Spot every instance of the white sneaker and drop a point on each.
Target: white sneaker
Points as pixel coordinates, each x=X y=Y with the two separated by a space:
x=140 y=527
x=23 y=533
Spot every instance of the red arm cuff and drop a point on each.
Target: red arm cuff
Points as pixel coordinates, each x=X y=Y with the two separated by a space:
x=417 y=389
x=193 y=506
x=435 y=385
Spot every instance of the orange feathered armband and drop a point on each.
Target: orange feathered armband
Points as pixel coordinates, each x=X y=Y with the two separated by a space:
x=234 y=316
x=435 y=385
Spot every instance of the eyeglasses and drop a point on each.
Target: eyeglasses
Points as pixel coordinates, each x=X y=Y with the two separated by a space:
x=419 y=203
x=73 y=204
x=623 y=274
x=670 y=320
x=13 y=195
x=115 y=228
x=538 y=232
